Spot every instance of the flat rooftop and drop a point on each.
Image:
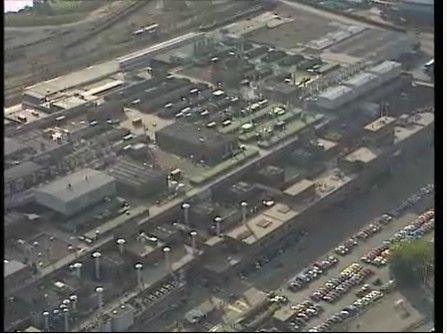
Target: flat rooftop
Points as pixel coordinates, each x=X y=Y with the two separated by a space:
x=362 y=154
x=263 y=224
x=299 y=187
x=379 y=123
x=82 y=183
x=331 y=181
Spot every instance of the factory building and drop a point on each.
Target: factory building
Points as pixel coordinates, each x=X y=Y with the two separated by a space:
x=381 y=131
x=14 y=272
x=23 y=176
x=358 y=160
x=386 y=71
x=362 y=83
x=198 y=144
x=301 y=190
x=334 y=97
x=135 y=179
x=14 y=149
x=76 y=192
x=273 y=176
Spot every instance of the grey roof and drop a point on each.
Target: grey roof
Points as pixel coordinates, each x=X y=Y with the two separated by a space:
x=82 y=183
x=360 y=79
x=25 y=169
x=333 y=93
x=189 y=134
x=12 y=146
x=384 y=67
x=129 y=172
x=12 y=266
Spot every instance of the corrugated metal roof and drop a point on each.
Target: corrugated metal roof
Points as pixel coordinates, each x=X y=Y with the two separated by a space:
x=12 y=266
x=333 y=93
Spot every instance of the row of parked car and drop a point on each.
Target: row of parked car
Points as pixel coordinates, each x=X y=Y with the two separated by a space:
x=304 y=312
x=346 y=247
x=310 y=274
x=379 y=255
x=369 y=231
x=412 y=200
x=358 y=306
x=336 y=287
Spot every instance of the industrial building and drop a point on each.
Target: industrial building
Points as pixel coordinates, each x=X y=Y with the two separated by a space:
x=135 y=179
x=196 y=143
x=163 y=175
x=76 y=192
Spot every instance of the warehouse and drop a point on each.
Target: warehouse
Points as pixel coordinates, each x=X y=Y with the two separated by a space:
x=199 y=144
x=362 y=83
x=22 y=177
x=135 y=179
x=14 y=149
x=386 y=71
x=76 y=192
x=335 y=97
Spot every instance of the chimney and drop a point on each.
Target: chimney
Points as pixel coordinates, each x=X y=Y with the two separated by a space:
x=120 y=242
x=77 y=266
x=46 y=321
x=99 y=290
x=74 y=302
x=218 y=221
x=185 y=207
x=97 y=257
x=193 y=242
x=138 y=268
x=167 y=250
x=65 y=312
x=244 y=212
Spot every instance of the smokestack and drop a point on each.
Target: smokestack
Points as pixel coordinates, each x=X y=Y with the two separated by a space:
x=56 y=315
x=120 y=242
x=34 y=250
x=74 y=302
x=97 y=257
x=185 y=207
x=244 y=212
x=46 y=321
x=65 y=312
x=77 y=266
x=99 y=290
x=218 y=220
x=193 y=242
x=138 y=268
x=167 y=250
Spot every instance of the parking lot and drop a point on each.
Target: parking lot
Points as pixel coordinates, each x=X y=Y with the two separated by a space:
x=348 y=266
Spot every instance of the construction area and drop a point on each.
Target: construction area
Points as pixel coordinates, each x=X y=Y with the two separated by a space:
x=173 y=188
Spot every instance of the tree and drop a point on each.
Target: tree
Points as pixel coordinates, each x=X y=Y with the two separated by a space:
x=412 y=262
